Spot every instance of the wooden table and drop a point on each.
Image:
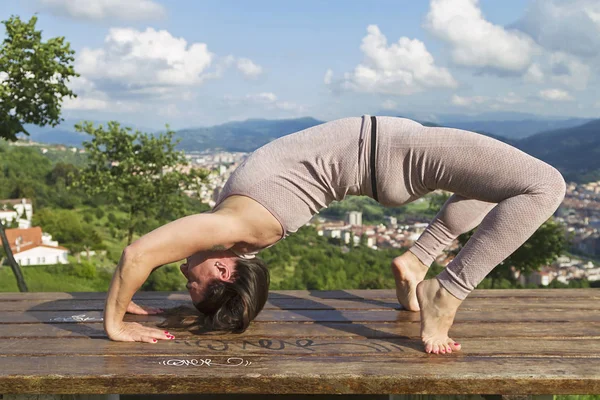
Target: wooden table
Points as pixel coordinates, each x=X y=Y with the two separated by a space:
x=515 y=342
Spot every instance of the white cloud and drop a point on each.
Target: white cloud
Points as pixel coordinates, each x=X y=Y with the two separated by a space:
x=570 y=26
x=85 y=104
x=475 y=41
x=262 y=97
x=468 y=101
x=511 y=98
x=266 y=100
x=569 y=71
x=328 y=77
x=389 y=105
x=248 y=68
x=555 y=95
x=90 y=98
x=151 y=57
x=155 y=63
x=132 y=10
x=534 y=74
x=404 y=67
x=494 y=103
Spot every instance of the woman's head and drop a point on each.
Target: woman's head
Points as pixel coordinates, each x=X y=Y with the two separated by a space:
x=230 y=291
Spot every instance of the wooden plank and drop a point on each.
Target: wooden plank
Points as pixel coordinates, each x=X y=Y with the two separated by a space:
x=588 y=293
x=60 y=397
x=318 y=347
x=355 y=316
x=312 y=304
x=461 y=331
x=434 y=374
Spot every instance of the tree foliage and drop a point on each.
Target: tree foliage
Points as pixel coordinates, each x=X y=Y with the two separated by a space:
x=68 y=229
x=546 y=244
x=138 y=171
x=33 y=77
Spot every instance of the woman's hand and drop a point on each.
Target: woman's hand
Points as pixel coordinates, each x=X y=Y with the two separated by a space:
x=133 y=308
x=135 y=332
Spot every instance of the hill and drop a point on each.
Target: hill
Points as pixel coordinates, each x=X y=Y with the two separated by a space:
x=516 y=129
x=244 y=136
x=572 y=150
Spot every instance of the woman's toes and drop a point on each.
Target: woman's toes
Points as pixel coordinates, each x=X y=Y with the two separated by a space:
x=454 y=346
x=429 y=347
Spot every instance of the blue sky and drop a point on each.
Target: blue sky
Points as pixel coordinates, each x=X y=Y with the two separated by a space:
x=200 y=63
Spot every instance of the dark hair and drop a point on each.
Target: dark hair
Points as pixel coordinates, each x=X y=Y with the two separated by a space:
x=230 y=306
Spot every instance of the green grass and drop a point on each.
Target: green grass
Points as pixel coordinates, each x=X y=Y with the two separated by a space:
x=49 y=278
x=279 y=274
x=577 y=397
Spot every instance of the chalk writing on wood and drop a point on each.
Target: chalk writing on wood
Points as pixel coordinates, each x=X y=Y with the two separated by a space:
x=307 y=345
x=76 y=318
x=231 y=362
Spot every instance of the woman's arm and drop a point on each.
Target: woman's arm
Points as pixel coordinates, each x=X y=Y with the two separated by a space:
x=169 y=243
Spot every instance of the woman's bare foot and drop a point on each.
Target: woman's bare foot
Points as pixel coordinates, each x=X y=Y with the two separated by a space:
x=408 y=271
x=438 y=308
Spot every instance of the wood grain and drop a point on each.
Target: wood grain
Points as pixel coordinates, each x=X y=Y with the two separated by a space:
x=531 y=341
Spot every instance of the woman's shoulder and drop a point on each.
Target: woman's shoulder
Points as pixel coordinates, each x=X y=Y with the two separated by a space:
x=265 y=228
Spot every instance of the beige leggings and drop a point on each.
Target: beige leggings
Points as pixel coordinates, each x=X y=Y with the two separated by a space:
x=504 y=192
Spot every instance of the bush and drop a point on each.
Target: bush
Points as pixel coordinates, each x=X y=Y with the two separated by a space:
x=166 y=278
x=99 y=213
x=85 y=270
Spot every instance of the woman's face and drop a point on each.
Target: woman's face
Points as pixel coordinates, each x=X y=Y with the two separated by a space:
x=202 y=267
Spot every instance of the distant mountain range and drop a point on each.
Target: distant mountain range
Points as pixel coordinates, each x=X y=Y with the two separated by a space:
x=571 y=150
x=65 y=132
x=572 y=145
x=241 y=136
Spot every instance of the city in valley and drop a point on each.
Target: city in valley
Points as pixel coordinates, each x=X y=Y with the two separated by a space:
x=579 y=214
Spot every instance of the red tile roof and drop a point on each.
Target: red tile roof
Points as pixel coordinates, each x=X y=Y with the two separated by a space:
x=28 y=239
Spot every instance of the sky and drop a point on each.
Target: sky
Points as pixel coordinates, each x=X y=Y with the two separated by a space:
x=192 y=63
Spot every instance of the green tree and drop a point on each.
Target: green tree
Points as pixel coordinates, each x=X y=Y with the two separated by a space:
x=136 y=171
x=546 y=244
x=32 y=86
x=436 y=201
x=33 y=77
x=66 y=227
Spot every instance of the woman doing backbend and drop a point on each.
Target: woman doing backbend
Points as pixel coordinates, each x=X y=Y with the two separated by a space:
x=498 y=188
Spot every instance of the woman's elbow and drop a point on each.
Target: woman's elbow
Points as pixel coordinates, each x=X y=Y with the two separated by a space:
x=132 y=256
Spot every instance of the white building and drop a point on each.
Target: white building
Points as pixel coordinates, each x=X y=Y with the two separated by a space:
x=354 y=218
x=19 y=209
x=33 y=247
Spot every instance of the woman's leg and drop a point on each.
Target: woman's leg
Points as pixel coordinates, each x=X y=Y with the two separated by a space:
x=458 y=215
x=500 y=233
x=527 y=191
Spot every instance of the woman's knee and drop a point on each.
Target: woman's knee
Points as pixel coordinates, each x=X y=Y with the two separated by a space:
x=551 y=186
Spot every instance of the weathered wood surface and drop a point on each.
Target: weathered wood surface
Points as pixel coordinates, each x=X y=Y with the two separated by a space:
x=534 y=341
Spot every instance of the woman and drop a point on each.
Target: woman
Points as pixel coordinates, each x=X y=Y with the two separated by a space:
x=280 y=186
